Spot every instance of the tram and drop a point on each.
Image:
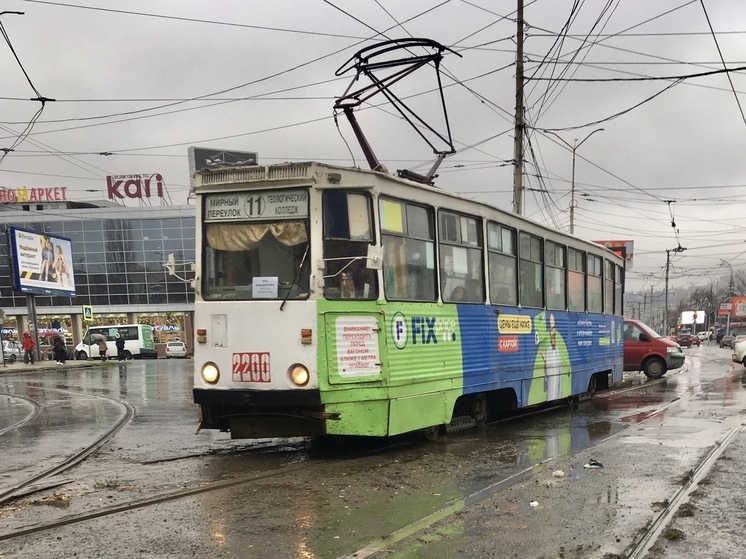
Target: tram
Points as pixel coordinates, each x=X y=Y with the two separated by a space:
x=342 y=301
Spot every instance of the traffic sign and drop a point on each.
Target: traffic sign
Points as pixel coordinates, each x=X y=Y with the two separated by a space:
x=87 y=313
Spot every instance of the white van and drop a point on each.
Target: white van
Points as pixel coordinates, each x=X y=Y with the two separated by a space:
x=138 y=342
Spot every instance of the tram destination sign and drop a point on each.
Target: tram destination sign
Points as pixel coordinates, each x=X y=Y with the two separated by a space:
x=247 y=206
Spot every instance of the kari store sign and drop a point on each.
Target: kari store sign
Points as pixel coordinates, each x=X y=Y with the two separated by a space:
x=42 y=264
x=119 y=187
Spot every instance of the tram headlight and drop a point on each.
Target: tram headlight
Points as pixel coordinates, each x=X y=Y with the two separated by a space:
x=210 y=373
x=299 y=375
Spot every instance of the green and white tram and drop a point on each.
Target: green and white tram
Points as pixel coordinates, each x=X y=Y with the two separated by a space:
x=338 y=301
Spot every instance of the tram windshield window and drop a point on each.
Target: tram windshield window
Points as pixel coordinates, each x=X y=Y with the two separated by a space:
x=256 y=260
x=348 y=233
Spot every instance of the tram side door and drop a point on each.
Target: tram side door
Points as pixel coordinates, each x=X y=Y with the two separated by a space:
x=353 y=347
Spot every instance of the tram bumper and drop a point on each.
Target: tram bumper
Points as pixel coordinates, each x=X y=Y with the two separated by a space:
x=251 y=414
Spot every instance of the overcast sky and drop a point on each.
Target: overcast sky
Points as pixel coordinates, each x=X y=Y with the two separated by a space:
x=144 y=80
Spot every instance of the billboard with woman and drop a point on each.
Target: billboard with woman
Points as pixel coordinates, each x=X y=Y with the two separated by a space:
x=42 y=263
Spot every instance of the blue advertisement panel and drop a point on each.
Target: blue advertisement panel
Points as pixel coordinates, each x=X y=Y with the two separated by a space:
x=43 y=263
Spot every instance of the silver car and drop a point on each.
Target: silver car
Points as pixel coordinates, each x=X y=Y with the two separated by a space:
x=12 y=351
x=176 y=349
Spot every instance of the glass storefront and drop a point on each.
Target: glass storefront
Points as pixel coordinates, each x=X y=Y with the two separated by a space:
x=118 y=265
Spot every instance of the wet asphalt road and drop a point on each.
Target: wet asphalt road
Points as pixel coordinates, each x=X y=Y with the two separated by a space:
x=470 y=496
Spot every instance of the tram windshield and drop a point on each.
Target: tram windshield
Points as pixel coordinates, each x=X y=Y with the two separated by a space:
x=267 y=260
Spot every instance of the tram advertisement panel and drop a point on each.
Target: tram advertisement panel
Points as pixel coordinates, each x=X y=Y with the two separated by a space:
x=42 y=263
x=542 y=355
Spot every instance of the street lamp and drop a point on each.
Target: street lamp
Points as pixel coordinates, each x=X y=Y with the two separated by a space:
x=573 y=148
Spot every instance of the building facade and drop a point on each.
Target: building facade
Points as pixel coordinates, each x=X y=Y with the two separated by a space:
x=118 y=257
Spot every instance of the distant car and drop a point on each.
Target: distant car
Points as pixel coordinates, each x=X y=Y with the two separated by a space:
x=703 y=336
x=176 y=349
x=12 y=351
x=739 y=352
x=685 y=339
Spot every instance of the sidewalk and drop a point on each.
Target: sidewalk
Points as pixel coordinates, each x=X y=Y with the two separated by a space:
x=20 y=366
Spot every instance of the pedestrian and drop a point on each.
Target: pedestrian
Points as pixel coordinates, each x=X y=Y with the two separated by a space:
x=102 y=348
x=28 y=343
x=60 y=352
x=119 y=342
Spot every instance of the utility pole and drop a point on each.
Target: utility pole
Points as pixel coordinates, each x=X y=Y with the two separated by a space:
x=668 y=265
x=519 y=123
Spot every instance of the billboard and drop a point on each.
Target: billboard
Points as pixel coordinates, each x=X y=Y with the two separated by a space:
x=625 y=249
x=692 y=317
x=42 y=263
x=739 y=307
x=214 y=158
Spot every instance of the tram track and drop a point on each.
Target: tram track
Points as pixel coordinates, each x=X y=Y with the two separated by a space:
x=128 y=412
x=35 y=411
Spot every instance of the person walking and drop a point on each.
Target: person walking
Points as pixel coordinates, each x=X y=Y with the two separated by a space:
x=119 y=342
x=102 y=348
x=60 y=352
x=28 y=343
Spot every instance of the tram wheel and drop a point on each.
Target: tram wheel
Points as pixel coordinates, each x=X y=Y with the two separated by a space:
x=434 y=434
x=481 y=409
x=592 y=386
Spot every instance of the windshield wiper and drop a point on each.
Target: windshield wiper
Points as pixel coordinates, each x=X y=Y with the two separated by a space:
x=297 y=277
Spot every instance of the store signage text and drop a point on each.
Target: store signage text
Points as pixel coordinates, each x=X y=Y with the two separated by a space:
x=134 y=186
x=35 y=194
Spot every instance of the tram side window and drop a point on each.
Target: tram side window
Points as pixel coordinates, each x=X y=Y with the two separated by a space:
x=503 y=269
x=407 y=234
x=555 y=272
x=272 y=256
x=609 y=286
x=576 y=280
x=618 y=291
x=530 y=268
x=461 y=264
x=347 y=234
x=595 y=285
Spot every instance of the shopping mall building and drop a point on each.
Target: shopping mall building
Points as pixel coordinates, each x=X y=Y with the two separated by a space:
x=118 y=256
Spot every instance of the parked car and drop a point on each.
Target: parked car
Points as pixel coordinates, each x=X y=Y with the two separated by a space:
x=726 y=340
x=737 y=339
x=12 y=351
x=739 y=352
x=176 y=349
x=685 y=339
x=647 y=351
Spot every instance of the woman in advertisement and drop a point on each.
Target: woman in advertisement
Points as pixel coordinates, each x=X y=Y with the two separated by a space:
x=60 y=267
